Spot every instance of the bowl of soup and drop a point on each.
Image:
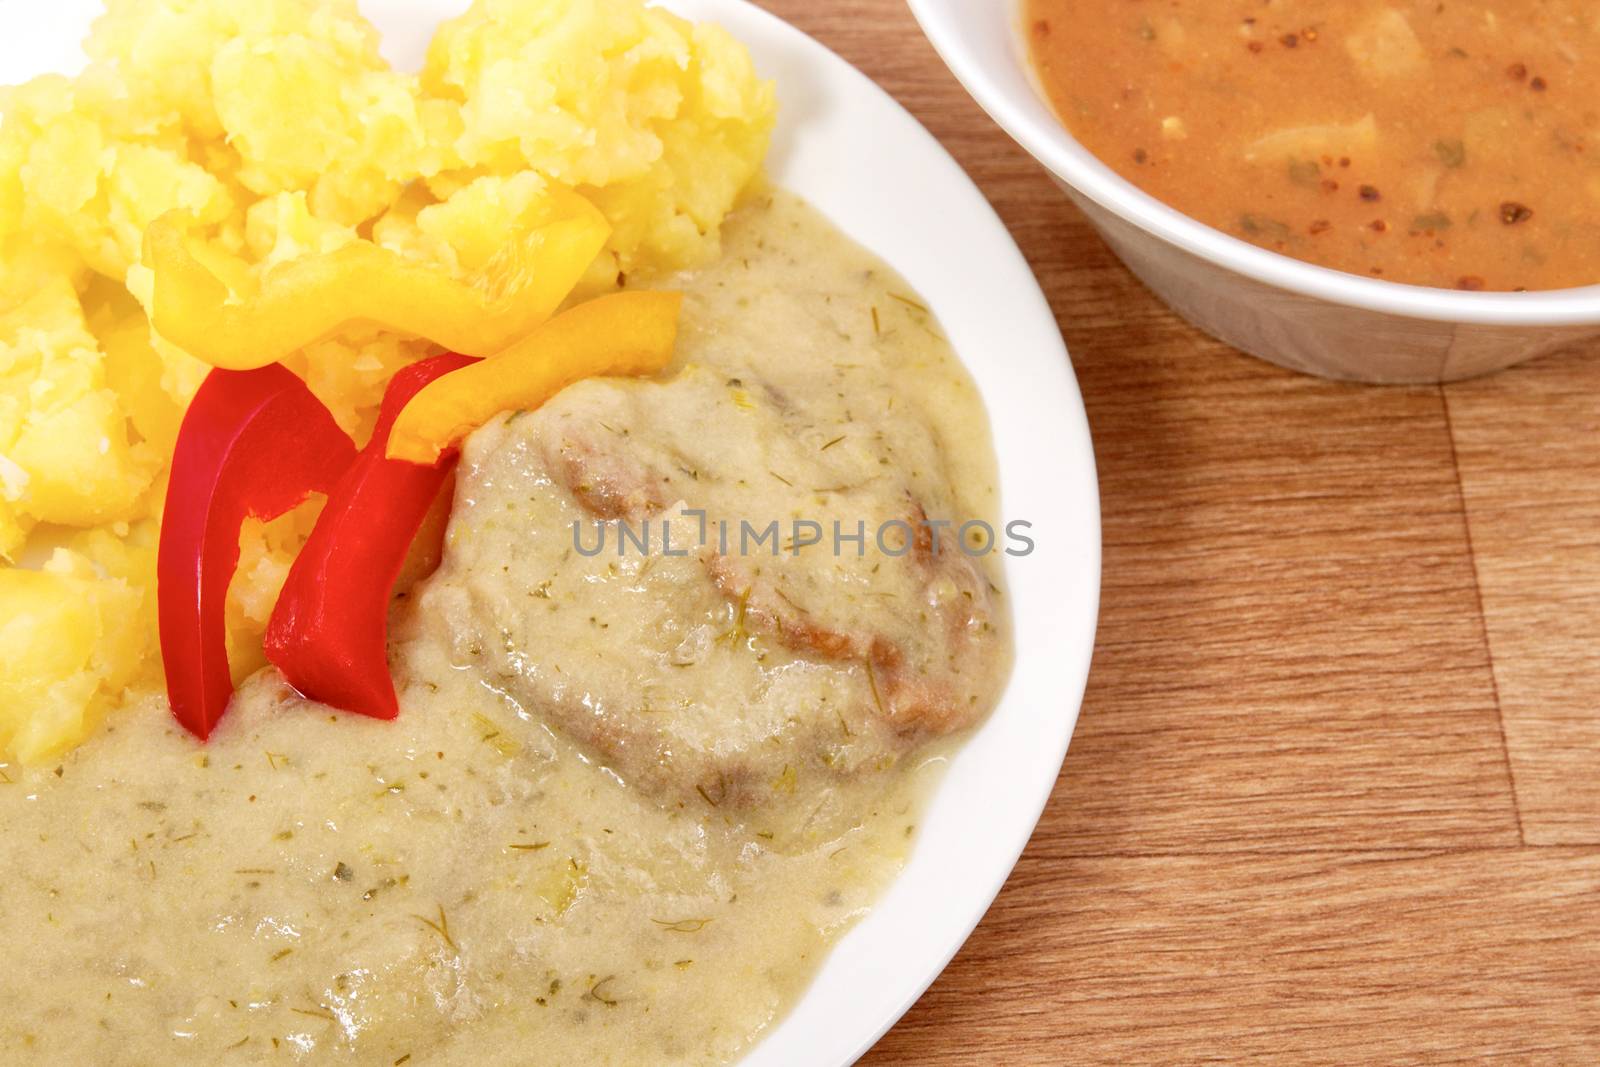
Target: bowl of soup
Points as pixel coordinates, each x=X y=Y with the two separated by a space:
x=1393 y=191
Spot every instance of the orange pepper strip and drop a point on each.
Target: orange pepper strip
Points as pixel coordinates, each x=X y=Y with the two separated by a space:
x=306 y=299
x=622 y=334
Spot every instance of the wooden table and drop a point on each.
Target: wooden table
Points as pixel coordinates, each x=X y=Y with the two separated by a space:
x=1335 y=794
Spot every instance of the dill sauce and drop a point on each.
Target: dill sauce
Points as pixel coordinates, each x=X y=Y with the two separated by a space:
x=1454 y=144
x=463 y=885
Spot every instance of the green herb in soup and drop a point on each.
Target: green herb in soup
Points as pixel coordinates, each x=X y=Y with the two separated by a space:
x=1452 y=144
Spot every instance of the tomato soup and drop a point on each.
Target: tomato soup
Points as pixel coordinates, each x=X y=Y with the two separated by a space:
x=1451 y=143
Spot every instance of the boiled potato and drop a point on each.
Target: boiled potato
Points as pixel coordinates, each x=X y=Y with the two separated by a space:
x=1385 y=46
x=277 y=130
x=1312 y=142
x=69 y=644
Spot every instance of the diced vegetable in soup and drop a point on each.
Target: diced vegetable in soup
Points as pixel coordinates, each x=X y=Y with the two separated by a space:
x=1448 y=143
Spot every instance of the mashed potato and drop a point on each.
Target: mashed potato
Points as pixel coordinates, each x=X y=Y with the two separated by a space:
x=278 y=129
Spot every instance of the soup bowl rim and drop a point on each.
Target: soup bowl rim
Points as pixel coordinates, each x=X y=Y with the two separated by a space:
x=970 y=36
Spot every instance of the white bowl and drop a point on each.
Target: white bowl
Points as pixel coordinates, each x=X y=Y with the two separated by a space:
x=1301 y=316
x=857 y=155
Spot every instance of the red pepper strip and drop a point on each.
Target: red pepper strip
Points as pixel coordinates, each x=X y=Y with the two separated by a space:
x=253 y=443
x=329 y=631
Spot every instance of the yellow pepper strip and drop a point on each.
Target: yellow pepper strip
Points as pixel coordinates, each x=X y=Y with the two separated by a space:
x=306 y=299
x=622 y=334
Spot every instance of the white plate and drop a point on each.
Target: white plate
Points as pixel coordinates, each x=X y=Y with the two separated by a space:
x=859 y=157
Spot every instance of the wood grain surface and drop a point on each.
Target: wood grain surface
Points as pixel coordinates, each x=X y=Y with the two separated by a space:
x=1335 y=794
